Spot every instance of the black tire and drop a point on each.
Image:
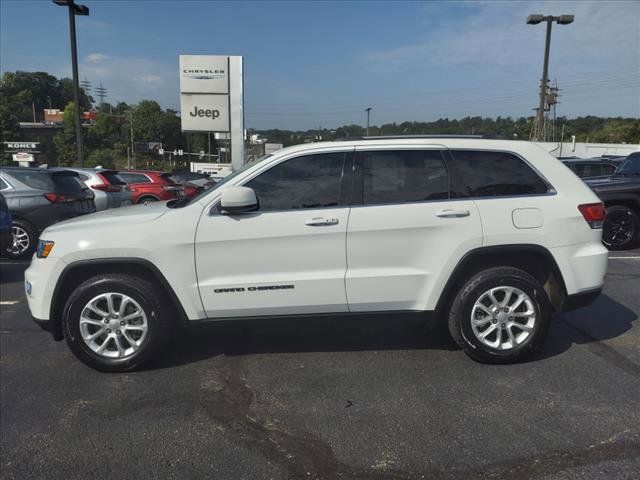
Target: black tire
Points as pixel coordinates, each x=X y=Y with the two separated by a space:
x=148 y=198
x=461 y=309
x=138 y=289
x=32 y=235
x=621 y=228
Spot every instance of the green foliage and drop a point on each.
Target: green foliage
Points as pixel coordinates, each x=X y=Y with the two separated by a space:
x=65 y=141
x=25 y=90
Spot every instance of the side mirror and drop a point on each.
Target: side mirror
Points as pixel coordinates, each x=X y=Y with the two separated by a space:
x=236 y=200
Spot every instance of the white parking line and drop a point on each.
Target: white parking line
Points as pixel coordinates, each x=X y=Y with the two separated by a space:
x=625 y=258
x=9 y=302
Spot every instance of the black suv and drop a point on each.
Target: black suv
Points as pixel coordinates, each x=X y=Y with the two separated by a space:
x=620 y=193
x=37 y=198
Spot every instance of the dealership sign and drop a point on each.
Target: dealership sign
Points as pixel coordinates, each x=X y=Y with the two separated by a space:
x=212 y=98
x=205 y=112
x=204 y=74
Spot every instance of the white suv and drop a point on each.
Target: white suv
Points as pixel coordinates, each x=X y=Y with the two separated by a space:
x=491 y=236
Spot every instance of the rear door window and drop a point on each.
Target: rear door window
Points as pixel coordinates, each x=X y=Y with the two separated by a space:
x=113 y=178
x=134 y=177
x=40 y=180
x=400 y=176
x=497 y=174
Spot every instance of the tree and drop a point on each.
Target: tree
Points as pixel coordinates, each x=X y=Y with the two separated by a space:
x=65 y=141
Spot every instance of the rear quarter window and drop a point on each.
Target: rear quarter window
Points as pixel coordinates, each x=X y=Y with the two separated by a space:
x=496 y=174
x=68 y=183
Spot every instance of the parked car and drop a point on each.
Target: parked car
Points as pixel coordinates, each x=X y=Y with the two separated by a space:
x=150 y=186
x=6 y=235
x=620 y=193
x=109 y=189
x=592 y=167
x=491 y=236
x=192 y=182
x=37 y=198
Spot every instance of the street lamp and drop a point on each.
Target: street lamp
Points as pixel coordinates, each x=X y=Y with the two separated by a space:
x=75 y=9
x=368 y=110
x=534 y=20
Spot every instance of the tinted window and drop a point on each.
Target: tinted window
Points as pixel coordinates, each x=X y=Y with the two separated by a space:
x=631 y=165
x=401 y=176
x=3 y=184
x=608 y=169
x=68 y=183
x=113 y=178
x=312 y=181
x=134 y=177
x=84 y=177
x=489 y=174
x=33 y=178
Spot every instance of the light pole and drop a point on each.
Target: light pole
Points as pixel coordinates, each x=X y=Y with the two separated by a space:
x=368 y=110
x=534 y=20
x=75 y=9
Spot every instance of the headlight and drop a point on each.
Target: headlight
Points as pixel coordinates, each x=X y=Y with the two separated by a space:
x=44 y=248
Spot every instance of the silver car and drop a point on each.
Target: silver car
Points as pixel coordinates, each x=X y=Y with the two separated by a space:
x=109 y=189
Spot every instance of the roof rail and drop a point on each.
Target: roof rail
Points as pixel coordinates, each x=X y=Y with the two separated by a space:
x=395 y=137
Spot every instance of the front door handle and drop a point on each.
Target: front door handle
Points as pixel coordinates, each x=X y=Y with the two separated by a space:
x=447 y=213
x=321 y=221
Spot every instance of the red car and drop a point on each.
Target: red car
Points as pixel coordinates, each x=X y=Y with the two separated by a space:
x=150 y=186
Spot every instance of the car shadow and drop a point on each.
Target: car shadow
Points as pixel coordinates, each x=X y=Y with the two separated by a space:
x=317 y=334
x=12 y=271
x=604 y=320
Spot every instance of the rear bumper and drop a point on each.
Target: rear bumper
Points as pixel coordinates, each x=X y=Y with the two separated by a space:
x=582 y=299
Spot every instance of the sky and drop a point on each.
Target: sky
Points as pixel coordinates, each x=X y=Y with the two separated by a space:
x=320 y=64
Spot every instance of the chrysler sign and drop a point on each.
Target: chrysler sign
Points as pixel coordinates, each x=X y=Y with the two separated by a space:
x=204 y=112
x=204 y=74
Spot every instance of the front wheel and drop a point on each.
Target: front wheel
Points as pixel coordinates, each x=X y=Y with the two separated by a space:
x=621 y=228
x=501 y=315
x=115 y=322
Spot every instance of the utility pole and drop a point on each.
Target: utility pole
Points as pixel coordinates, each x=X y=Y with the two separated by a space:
x=133 y=152
x=368 y=110
x=75 y=9
x=538 y=127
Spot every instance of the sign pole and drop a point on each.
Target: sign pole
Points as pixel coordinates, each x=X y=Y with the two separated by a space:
x=236 y=100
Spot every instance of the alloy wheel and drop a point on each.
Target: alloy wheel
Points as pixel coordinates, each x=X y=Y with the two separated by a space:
x=618 y=229
x=503 y=318
x=20 y=242
x=113 y=325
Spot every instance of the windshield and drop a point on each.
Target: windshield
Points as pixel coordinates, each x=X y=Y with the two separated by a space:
x=183 y=202
x=631 y=165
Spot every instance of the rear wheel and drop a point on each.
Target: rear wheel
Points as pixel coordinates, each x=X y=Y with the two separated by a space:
x=115 y=322
x=24 y=241
x=147 y=199
x=621 y=228
x=501 y=315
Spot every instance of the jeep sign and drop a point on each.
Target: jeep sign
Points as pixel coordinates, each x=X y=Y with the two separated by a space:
x=207 y=113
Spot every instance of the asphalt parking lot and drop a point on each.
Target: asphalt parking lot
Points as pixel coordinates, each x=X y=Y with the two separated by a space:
x=372 y=398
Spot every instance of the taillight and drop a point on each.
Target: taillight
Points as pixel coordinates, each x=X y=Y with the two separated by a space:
x=107 y=188
x=56 y=198
x=593 y=213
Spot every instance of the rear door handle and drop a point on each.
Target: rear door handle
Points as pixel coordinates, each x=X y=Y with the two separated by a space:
x=452 y=213
x=321 y=221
